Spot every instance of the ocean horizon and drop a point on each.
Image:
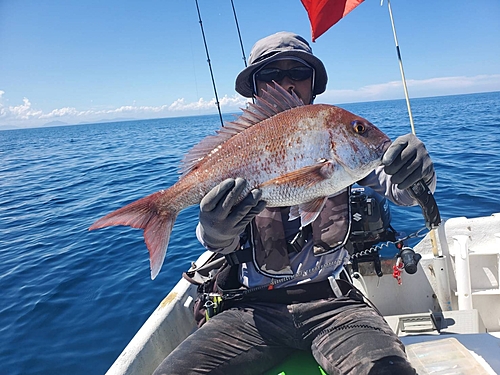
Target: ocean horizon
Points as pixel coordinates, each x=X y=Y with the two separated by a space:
x=73 y=299
x=57 y=123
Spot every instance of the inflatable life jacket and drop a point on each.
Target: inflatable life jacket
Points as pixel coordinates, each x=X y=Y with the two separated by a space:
x=356 y=218
x=330 y=231
x=359 y=220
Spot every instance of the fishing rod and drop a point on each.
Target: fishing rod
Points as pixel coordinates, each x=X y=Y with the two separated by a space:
x=208 y=55
x=400 y=65
x=419 y=190
x=239 y=34
x=209 y=63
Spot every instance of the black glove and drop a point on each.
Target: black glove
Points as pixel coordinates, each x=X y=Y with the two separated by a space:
x=407 y=161
x=221 y=219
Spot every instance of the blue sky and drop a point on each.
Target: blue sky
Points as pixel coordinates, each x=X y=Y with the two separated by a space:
x=80 y=61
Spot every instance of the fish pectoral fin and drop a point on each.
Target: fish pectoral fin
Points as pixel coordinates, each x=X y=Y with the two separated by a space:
x=294 y=213
x=306 y=176
x=308 y=211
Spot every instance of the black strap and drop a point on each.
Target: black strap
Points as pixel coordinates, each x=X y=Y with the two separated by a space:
x=299 y=293
x=297 y=244
x=239 y=256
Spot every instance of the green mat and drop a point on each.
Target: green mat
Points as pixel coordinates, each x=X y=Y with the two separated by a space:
x=300 y=363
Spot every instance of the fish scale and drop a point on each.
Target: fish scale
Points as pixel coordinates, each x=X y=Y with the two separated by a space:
x=297 y=155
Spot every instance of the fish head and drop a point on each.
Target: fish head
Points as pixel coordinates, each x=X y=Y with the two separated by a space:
x=356 y=143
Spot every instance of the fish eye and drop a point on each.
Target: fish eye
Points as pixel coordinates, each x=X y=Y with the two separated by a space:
x=358 y=126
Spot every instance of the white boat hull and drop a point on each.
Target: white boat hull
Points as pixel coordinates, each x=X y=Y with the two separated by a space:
x=430 y=306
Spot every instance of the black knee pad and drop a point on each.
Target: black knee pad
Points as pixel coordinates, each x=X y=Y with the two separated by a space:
x=392 y=365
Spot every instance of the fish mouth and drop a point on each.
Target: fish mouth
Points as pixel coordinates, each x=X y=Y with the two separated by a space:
x=384 y=146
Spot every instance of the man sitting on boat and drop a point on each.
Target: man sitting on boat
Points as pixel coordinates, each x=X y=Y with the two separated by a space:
x=299 y=299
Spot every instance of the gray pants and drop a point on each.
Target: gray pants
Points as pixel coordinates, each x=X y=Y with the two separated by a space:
x=345 y=335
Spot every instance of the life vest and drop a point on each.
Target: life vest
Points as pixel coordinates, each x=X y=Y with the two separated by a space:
x=330 y=231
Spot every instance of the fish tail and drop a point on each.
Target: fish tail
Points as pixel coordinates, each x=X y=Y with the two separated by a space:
x=145 y=214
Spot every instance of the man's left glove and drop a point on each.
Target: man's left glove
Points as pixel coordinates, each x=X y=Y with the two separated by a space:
x=407 y=161
x=223 y=217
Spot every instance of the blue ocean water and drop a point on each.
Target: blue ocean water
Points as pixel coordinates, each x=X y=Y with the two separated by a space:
x=72 y=299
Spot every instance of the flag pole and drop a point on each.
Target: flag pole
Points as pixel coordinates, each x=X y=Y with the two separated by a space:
x=400 y=65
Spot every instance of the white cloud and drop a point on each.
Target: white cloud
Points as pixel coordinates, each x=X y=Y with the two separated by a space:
x=66 y=111
x=201 y=104
x=22 y=111
x=416 y=88
x=24 y=115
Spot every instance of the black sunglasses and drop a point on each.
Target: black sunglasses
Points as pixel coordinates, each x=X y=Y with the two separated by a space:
x=299 y=73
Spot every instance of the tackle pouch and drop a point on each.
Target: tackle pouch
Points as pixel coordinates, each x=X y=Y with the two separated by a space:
x=209 y=301
x=206 y=304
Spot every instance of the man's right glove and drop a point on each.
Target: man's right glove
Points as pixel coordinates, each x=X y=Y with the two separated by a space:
x=221 y=218
x=407 y=161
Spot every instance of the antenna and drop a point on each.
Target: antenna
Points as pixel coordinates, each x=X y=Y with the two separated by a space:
x=209 y=64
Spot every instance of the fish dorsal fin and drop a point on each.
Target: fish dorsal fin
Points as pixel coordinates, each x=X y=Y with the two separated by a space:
x=274 y=100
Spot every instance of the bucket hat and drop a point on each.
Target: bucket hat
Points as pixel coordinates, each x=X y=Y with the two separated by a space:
x=276 y=47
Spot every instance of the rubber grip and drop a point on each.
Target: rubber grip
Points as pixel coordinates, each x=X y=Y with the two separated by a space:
x=420 y=191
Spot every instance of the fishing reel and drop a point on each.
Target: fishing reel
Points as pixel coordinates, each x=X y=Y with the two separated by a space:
x=407 y=259
x=410 y=259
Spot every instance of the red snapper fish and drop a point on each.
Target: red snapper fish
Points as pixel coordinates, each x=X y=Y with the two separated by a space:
x=297 y=154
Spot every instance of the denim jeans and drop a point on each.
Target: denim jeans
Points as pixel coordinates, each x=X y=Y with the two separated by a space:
x=345 y=335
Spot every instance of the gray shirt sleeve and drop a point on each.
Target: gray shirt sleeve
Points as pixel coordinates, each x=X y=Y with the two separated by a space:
x=380 y=181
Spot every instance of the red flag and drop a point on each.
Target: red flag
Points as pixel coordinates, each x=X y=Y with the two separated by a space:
x=323 y=14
